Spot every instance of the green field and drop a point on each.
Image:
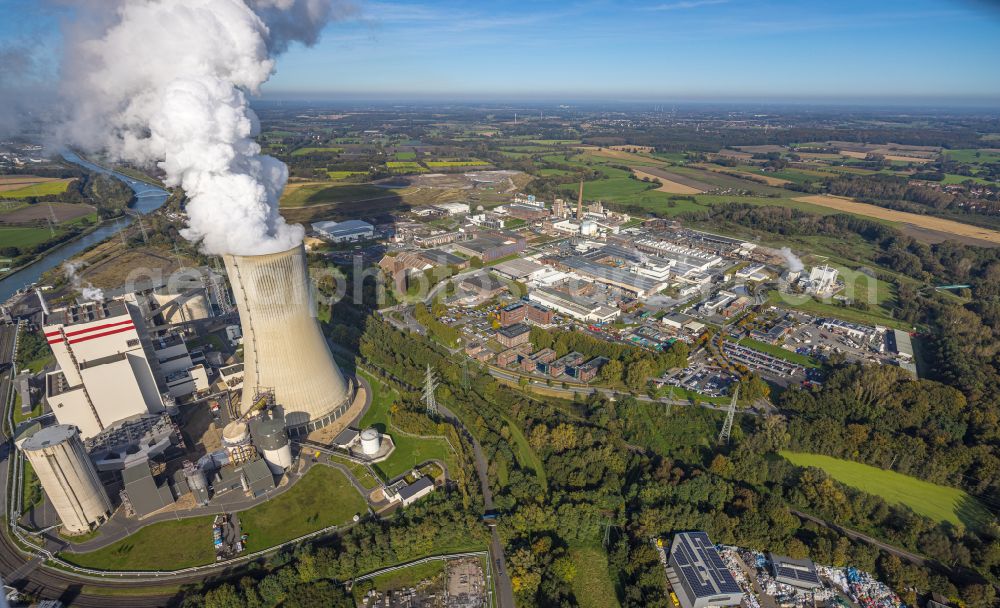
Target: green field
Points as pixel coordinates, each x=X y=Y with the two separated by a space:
x=312 y=194
x=970 y=156
x=339 y=175
x=168 y=545
x=305 y=151
x=593 y=586
x=406 y=156
x=951 y=178
x=324 y=497
x=455 y=163
x=410 y=450
x=941 y=503
x=23 y=237
x=875 y=316
x=41 y=189
x=404 y=167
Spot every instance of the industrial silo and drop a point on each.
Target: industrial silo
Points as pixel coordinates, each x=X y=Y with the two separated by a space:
x=236 y=439
x=284 y=349
x=272 y=440
x=68 y=477
x=371 y=442
x=197 y=482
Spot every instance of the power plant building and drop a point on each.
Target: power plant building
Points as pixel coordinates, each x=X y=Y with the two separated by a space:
x=104 y=372
x=283 y=346
x=68 y=477
x=271 y=439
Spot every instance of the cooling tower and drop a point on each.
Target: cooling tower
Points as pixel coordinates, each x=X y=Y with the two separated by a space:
x=68 y=477
x=284 y=349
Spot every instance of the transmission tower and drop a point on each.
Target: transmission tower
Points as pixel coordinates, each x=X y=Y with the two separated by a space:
x=727 y=426
x=430 y=383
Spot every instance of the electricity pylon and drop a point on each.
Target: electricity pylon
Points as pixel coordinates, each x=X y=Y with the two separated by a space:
x=430 y=383
x=727 y=426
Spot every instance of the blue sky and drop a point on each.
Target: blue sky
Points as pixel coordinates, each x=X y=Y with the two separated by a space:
x=657 y=50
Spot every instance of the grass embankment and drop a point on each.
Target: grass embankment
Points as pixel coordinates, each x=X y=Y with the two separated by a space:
x=323 y=498
x=410 y=450
x=169 y=545
x=592 y=586
x=941 y=503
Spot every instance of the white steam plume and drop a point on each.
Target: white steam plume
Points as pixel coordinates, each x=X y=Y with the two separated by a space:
x=794 y=263
x=86 y=288
x=166 y=81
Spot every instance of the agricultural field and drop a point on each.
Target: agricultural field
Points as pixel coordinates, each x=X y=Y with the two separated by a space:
x=404 y=167
x=24 y=237
x=32 y=188
x=930 y=223
x=941 y=503
x=306 y=151
x=406 y=156
x=43 y=212
x=438 y=164
x=951 y=178
x=974 y=156
x=342 y=175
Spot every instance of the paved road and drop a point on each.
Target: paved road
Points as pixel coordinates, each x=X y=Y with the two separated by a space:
x=505 y=592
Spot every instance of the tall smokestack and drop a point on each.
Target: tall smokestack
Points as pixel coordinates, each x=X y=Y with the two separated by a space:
x=579 y=203
x=284 y=349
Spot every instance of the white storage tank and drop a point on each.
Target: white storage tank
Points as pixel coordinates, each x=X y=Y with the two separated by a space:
x=371 y=442
x=271 y=438
x=236 y=438
x=68 y=477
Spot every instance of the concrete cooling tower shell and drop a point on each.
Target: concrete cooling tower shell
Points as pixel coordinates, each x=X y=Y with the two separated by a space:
x=283 y=346
x=68 y=477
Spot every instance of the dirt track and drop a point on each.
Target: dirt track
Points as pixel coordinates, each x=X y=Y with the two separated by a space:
x=926 y=225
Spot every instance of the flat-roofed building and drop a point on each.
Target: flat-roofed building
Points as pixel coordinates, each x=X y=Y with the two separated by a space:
x=698 y=575
x=492 y=246
x=518 y=269
x=347 y=231
x=578 y=307
x=795 y=572
x=589 y=370
x=514 y=335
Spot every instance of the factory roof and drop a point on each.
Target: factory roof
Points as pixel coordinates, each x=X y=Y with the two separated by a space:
x=87 y=312
x=617 y=276
x=697 y=562
x=347 y=227
x=796 y=572
x=437 y=256
x=517 y=268
x=902 y=343
x=146 y=497
x=485 y=242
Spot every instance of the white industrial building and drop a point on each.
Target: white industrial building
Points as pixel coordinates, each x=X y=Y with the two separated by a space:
x=577 y=307
x=822 y=280
x=344 y=232
x=68 y=476
x=453 y=208
x=104 y=374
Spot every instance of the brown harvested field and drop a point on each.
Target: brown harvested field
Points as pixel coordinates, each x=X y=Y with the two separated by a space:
x=615 y=154
x=932 y=229
x=63 y=212
x=764 y=149
x=895 y=157
x=16 y=182
x=667 y=185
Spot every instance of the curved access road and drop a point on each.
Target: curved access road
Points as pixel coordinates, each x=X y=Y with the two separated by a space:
x=505 y=591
